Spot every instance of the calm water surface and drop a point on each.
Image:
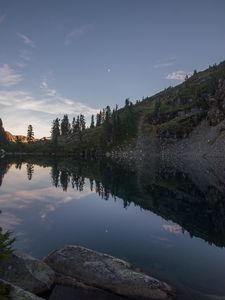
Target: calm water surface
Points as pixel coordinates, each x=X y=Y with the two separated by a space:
x=168 y=221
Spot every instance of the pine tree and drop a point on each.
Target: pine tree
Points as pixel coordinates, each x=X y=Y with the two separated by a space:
x=82 y=122
x=55 y=131
x=30 y=134
x=101 y=117
x=157 y=108
x=98 y=120
x=78 y=124
x=65 y=125
x=73 y=125
x=92 y=125
x=108 y=113
x=127 y=102
x=116 y=126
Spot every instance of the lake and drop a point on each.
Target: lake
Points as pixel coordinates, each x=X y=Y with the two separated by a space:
x=168 y=219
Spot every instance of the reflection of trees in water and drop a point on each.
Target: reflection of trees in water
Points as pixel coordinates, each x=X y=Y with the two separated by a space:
x=55 y=175
x=18 y=165
x=63 y=177
x=91 y=182
x=77 y=182
x=30 y=170
x=4 y=168
x=173 y=195
x=193 y=199
x=101 y=190
x=168 y=192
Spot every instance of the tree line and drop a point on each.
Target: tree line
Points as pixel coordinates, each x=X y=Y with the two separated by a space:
x=110 y=120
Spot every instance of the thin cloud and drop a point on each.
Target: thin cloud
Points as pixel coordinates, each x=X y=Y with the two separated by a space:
x=162 y=63
x=25 y=55
x=178 y=75
x=21 y=65
x=48 y=91
x=77 y=33
x=27 y=40
x=39 y=111
x=8 y=76
x=2 y=18
x=173 y=228
x=25 y=199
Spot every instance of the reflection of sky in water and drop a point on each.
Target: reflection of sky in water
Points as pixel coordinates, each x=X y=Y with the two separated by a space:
x=45 y=218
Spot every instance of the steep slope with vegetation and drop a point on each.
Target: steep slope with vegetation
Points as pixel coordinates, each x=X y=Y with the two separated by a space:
x=185 y=119
x=181 y=119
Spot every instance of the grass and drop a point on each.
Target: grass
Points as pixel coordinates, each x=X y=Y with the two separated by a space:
x=180 y=125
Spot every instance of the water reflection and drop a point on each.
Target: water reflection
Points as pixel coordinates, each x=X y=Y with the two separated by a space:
x=190 y=195
x=30 y=171
x=4 y=167
x=145 y=214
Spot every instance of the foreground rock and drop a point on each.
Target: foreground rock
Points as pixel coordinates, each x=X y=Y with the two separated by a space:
x=67 y=293
x=106 y=272
x=28 y=273
x=9 y=291
x=68 y=288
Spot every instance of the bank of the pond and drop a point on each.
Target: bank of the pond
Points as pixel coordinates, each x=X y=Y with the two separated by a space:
x=75 y=270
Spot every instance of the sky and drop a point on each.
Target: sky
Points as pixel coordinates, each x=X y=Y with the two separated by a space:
x=77 y=56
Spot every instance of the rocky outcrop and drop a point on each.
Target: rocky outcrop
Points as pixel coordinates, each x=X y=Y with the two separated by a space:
x=6 y=136
x=107 y=273
x=27 y=272
x=9 y=291
x=2 y=133
x=10 y=137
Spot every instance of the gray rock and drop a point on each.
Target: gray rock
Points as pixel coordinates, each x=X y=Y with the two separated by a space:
x=9 y=291
x=27 y=272
x=67 y=293
x=106 y=272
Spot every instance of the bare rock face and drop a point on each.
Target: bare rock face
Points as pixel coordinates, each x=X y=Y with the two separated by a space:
x=106 y=272
x=27 y=272
x=9 y=291
x=2 y=132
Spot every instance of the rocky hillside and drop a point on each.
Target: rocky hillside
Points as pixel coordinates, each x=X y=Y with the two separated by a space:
x=185 y=119
x=188 y=119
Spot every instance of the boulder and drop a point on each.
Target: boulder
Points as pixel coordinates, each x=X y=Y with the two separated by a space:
x=27 y=272
x=106 y=272
x=9 y=291
x=67 y=293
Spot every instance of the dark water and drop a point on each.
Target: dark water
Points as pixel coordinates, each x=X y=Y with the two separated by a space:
x=169 y=220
